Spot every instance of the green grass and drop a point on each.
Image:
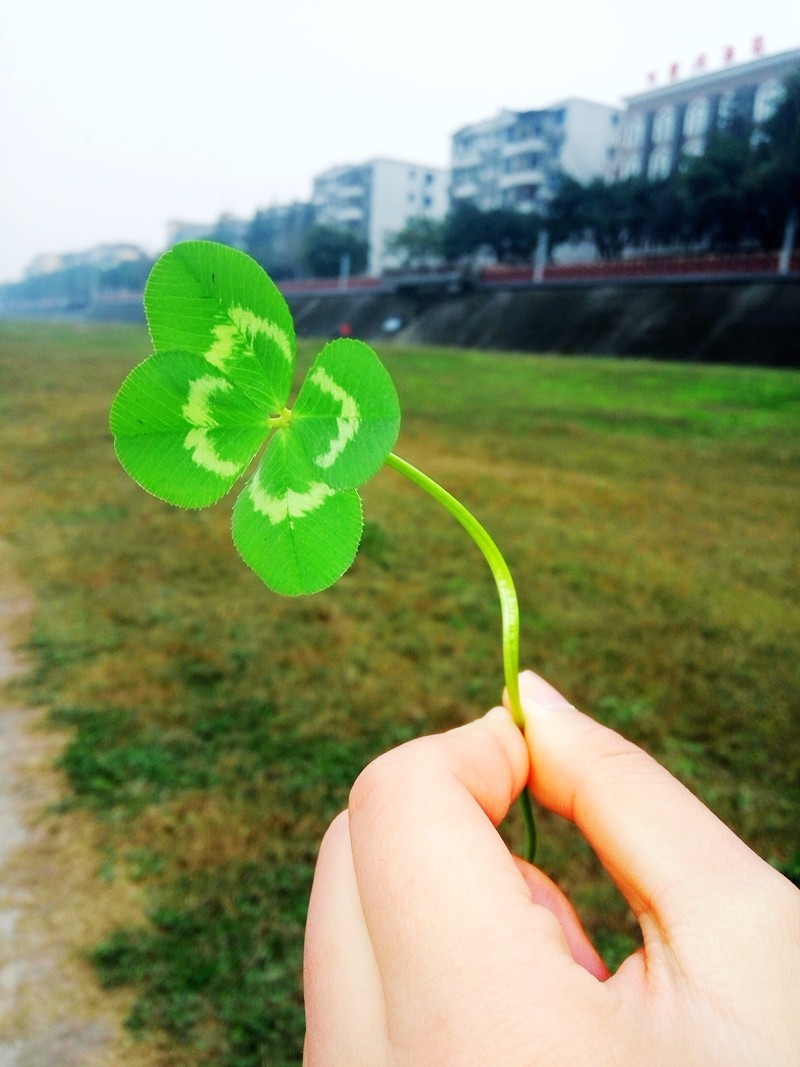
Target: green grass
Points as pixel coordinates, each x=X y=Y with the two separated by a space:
x=649 y=513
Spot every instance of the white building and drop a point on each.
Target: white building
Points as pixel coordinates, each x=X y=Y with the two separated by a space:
x=515 y=159
x=665 y=123
x=376 y=199
x=103 y=257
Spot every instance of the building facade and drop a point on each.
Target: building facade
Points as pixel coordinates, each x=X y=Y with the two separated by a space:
x=276 y=236
x=376 y=199
x=662 y=125
x=515 y=159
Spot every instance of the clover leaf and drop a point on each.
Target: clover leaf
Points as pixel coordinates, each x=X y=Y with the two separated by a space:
x=190 y=419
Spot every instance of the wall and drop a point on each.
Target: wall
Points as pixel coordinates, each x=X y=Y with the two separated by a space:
x=591 y=132
x=753 y=322
x=398 y=194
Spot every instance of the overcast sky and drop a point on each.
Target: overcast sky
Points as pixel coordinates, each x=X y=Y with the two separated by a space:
x=116 y=117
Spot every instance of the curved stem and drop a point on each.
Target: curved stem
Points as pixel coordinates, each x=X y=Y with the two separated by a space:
x=509 y=606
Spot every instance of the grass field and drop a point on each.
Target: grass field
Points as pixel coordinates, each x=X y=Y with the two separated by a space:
x=649 y=512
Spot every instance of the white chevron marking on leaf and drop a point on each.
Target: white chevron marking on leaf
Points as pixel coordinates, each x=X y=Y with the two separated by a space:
x=291 y=506
x=197 y=413
x=346 y=425
x=196 y=410
x=244 y=324
x=205 y=455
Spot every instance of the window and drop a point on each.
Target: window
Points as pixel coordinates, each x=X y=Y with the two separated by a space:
x=726 y=112
x=660 y=163
x=522 y=162
x=631 y=166
x=463 y=145
x=769 y=96
x=694 y=146
x=526 y=129
x=633 y=132
x=695 y=122
x=664 y=125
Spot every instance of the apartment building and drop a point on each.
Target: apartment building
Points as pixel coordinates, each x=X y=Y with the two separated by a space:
x=515 y=159
x=665 y=123
x=377 y=198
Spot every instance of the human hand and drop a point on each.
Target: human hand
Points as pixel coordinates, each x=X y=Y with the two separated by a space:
x=429 y=944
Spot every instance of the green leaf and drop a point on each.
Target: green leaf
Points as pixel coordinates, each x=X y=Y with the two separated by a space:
x=217 y=302
x=347 y=415
x=184 y=431
x=295 y=531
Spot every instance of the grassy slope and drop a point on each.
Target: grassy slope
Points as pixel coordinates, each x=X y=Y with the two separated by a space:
x=649 y=513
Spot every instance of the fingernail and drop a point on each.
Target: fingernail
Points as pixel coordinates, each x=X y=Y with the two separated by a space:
x=540 y=693
x=498 y=714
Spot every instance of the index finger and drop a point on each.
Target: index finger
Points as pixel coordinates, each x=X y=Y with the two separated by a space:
x=434 y=875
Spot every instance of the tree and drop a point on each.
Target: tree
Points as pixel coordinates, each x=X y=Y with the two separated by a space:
x=612 y=216
x=325 y=248
x=777 y=165
x=663 y=206
x=719 y=193
x=463 y=232
x=419 y=243
x=510 y=236
x=566 y=215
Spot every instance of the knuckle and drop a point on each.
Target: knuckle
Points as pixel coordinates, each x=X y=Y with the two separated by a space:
x=613 y=763
x=614 y=757
x=383 y=779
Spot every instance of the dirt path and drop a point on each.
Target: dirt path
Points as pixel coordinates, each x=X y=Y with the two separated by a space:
x=52 y=902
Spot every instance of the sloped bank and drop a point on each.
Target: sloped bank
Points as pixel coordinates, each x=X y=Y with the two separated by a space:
x=736 y=321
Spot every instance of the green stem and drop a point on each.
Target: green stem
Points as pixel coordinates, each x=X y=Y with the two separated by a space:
x=509 y=607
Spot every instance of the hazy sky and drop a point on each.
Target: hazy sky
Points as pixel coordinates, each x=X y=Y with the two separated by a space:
x=116 y=117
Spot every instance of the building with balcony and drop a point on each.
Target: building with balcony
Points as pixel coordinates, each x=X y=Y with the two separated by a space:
x=376 y=199
x=664 y=124
x=515 y=159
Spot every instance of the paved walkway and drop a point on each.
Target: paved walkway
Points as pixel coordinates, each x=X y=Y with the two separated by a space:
x=46 y=1019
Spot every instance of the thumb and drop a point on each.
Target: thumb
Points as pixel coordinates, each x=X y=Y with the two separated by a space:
x=658 y=842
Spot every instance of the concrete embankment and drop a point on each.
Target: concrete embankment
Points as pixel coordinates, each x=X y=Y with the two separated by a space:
x=741 y=321
x=753 y=320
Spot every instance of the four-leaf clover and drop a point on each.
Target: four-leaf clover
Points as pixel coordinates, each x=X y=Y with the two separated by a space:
x=190 y=419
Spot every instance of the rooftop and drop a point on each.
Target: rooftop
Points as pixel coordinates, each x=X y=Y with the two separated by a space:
x=733 y=71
